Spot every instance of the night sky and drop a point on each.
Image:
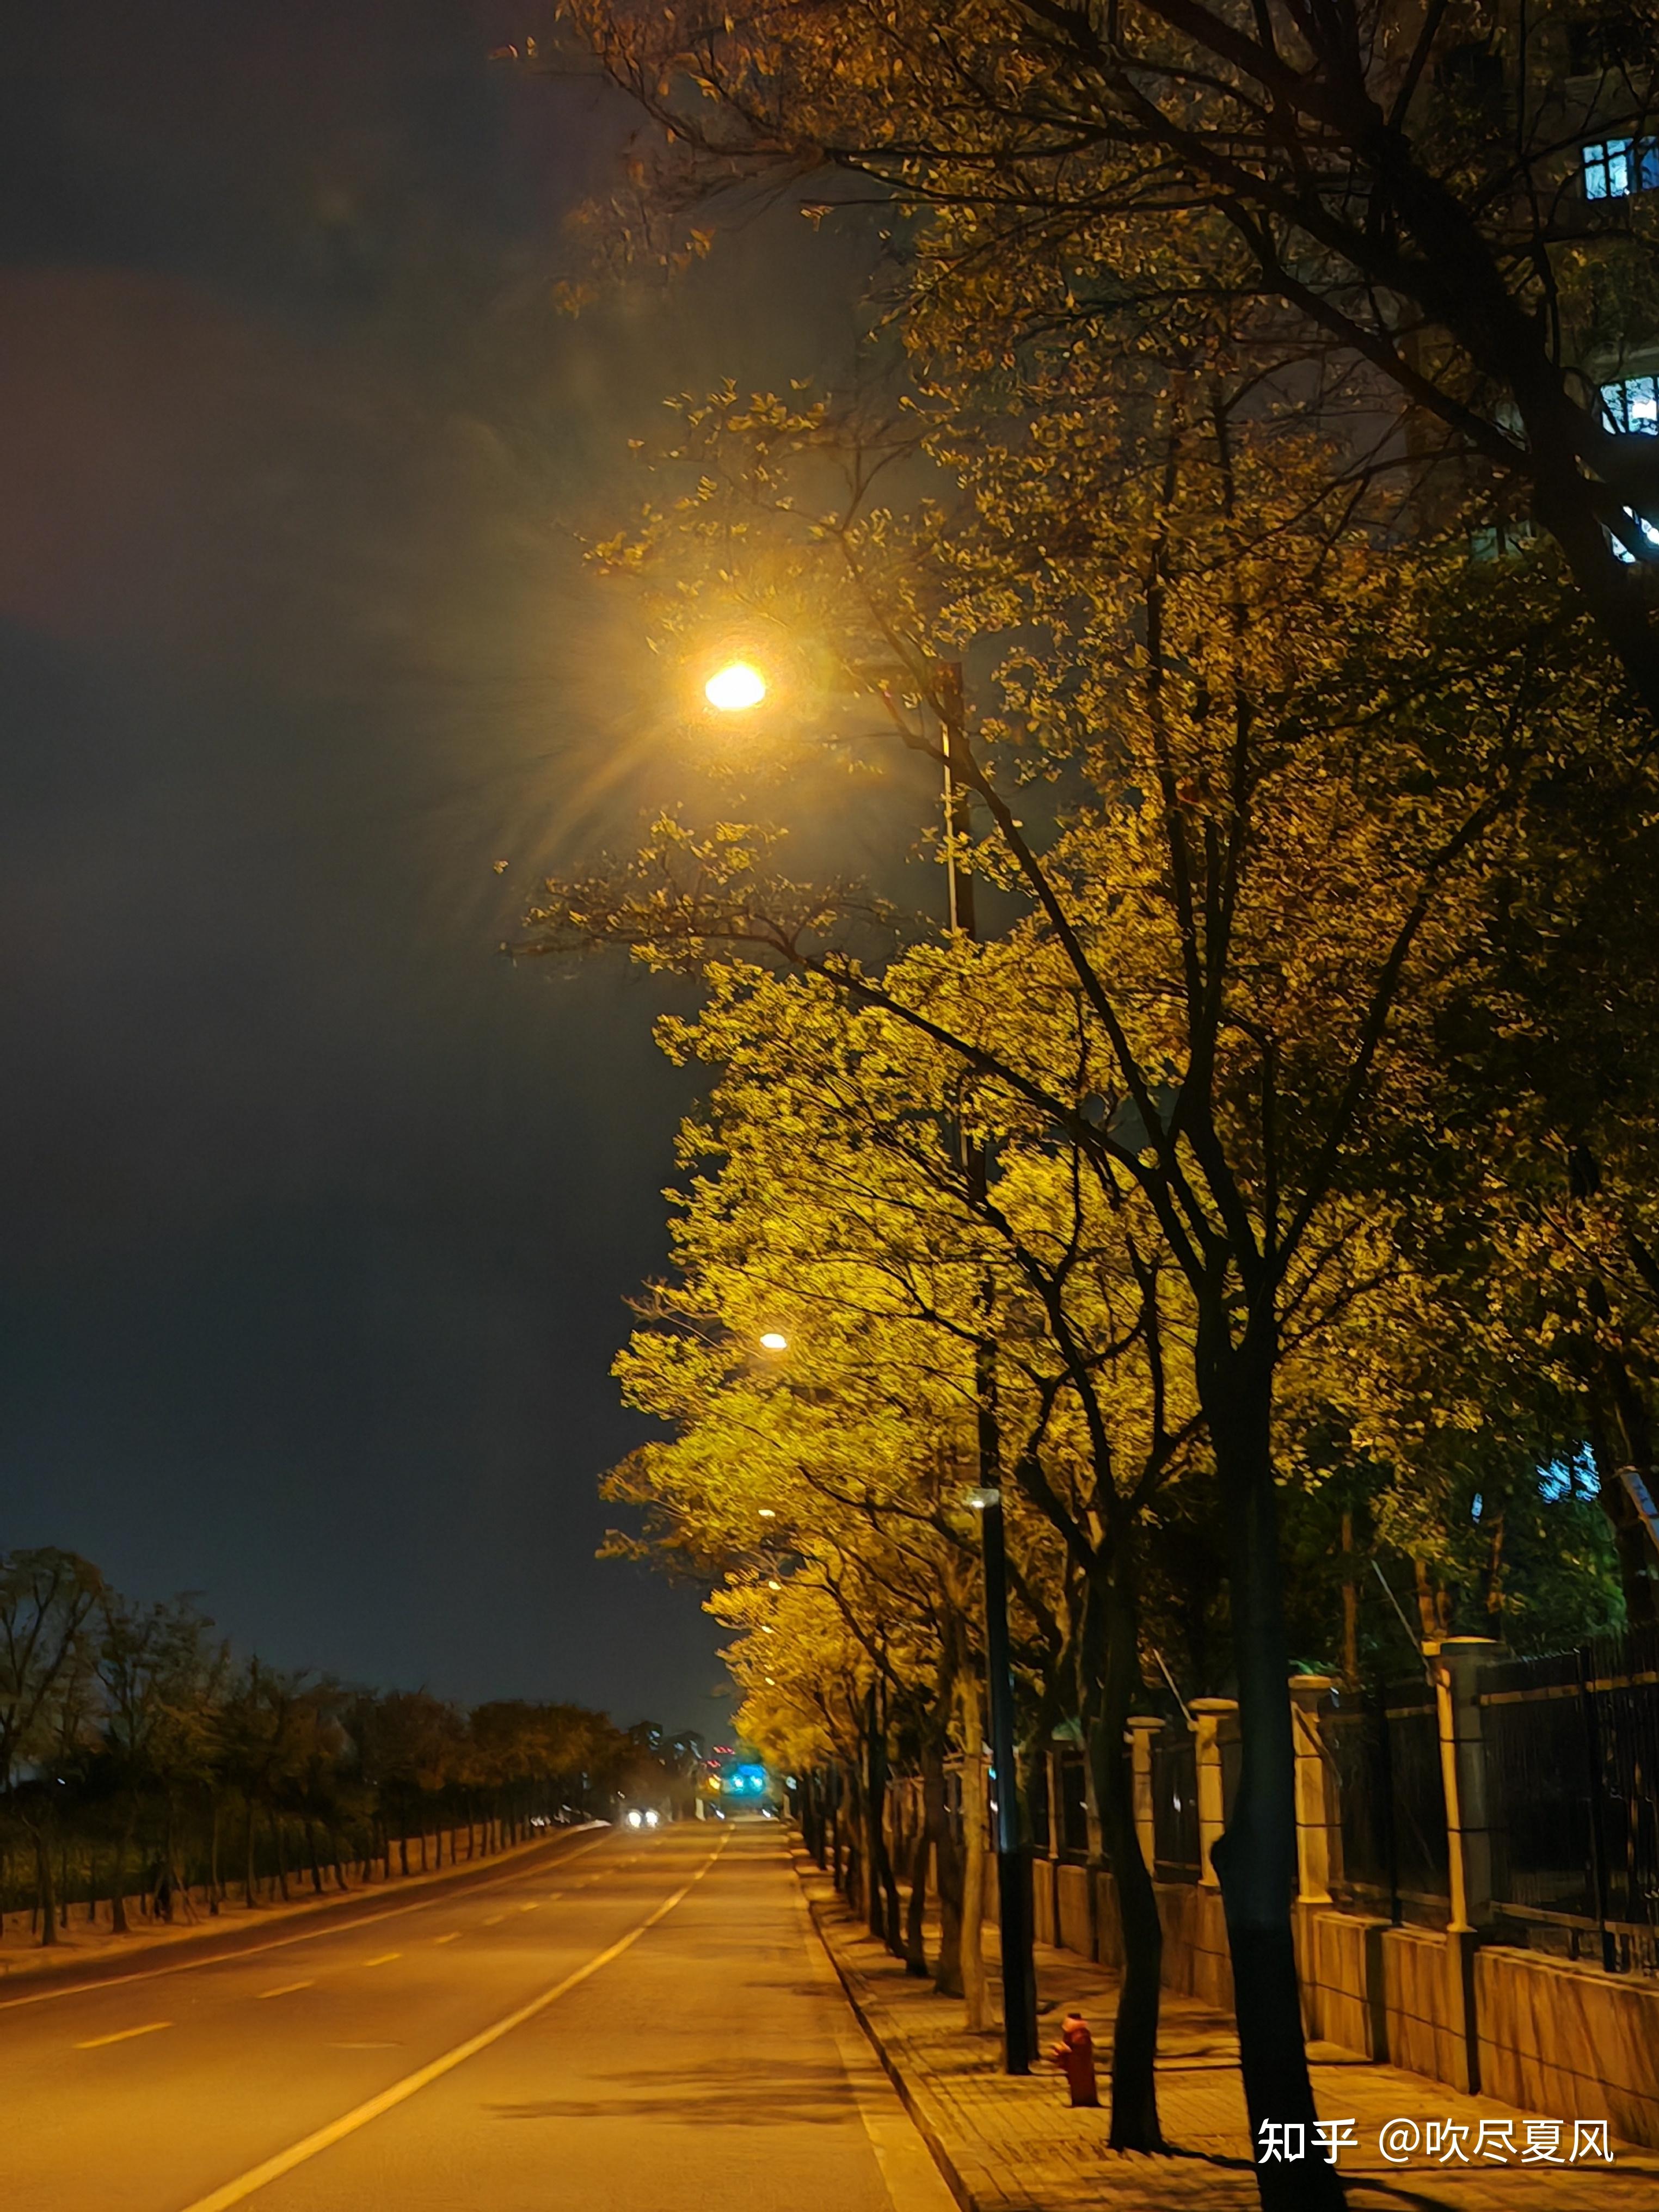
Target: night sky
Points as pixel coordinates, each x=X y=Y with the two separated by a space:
x=317 y=1218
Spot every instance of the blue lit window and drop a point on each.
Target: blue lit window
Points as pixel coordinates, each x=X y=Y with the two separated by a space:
x=1618 y=166
x=1632 y=404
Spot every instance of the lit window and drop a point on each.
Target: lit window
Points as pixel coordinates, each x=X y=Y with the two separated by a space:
x=1632 y=405
x=1618 y=166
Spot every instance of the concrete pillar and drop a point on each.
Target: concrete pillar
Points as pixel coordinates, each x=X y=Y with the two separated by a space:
x=1215 y=1721
x=1455 y=1662
x=1318 y=1827
x=1142 y=1728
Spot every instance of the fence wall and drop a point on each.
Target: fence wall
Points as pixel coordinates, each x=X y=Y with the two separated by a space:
x=1478 y=1871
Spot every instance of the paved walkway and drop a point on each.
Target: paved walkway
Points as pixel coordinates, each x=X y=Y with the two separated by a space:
x=1015 y=2145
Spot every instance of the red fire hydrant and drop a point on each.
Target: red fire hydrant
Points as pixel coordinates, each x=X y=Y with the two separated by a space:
x=1074 y=2055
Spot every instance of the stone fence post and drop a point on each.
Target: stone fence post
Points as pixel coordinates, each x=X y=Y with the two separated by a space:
x=1215 y=1722
x=1455 y=1662
x=1142 y=1728
x=1318 y=1819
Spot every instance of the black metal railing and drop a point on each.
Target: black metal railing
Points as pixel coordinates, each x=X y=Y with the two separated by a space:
x=1174 y=1804
x=1572 y=1747
x=1384 y=1746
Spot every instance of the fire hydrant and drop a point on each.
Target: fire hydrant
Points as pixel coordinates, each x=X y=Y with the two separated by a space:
x=1074 y=2055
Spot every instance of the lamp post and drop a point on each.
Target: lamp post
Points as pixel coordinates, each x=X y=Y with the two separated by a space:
x=1013 y=1870
x=736 y=689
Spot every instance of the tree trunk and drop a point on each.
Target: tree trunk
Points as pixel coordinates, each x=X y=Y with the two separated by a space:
x=882 y=1887
x=311 y=1853
x=45 y=1889
x=937 y=1830
x=214 y=1887
x=916 y=1911
x=281 y=1842
x=250 y=1888
x=118 y=1903
x=975 y=1988
x=1630 y=1445
x=1256 y=1859
x=1111 y=1657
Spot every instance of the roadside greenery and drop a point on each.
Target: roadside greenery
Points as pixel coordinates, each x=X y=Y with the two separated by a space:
x=138 y=1760
x=1309 y=802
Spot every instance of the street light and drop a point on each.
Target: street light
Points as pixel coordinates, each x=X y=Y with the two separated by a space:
x=733 y=689
x=773 y=1340
x=736 y=688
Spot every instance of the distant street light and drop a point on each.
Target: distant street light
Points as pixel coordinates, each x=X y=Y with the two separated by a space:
x=736 y=688
x=775 y=1340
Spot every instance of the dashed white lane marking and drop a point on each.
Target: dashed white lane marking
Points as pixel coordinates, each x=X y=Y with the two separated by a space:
x=450 y=1938
x=260 y=2177
x=288 y=1989
x=123 y=2035
x=531 y=1907
x=495 y=1920
x=385 y=1959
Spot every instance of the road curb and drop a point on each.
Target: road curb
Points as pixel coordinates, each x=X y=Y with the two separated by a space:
x=915 y=2102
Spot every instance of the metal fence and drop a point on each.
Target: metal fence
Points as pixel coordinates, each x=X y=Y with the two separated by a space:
x=1174 y=1804
x=1073 y=1821
x=1571 y=1744
x=1383 y=1747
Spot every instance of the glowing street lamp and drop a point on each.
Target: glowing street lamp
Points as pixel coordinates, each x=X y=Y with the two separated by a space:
x=736 y=688
x=775 y=1340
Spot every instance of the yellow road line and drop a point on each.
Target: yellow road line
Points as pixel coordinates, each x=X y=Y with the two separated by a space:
x=123 y=2035
x=385 y=1959
x=531 y=1907
x=260 y=2177
x=287 y=1989
x=450 y=1938
x=496 y=1921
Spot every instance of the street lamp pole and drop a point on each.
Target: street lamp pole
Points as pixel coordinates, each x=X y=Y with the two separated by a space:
x=1013 y=1870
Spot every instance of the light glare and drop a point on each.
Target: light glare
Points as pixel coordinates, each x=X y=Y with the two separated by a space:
x=734 y=688
x=775 y=1340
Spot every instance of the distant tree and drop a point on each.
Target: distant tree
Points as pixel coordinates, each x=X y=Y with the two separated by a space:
x=49 y=1601
x=158 y=1674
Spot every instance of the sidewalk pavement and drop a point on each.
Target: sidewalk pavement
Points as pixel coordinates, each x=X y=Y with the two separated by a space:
x=1013 y=2144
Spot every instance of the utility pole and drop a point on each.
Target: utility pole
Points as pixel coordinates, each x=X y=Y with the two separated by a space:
x=1013 y=1868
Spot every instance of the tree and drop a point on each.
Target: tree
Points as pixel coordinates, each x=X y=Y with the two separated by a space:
x=159 y=1676
x=48 y=1601
x=843 y=1202
x=1379 y=209
x=1295 y=764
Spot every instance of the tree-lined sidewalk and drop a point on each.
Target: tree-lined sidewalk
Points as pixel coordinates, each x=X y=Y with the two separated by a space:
x=1013 y=2144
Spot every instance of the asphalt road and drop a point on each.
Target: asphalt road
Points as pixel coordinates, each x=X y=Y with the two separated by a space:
x=618 y=2024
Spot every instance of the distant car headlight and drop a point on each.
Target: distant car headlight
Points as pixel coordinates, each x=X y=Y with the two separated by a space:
x=651 y=1819
x=634 y=1820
